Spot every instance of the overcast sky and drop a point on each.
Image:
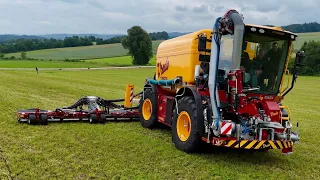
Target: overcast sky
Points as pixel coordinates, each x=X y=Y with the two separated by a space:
x=116 y=16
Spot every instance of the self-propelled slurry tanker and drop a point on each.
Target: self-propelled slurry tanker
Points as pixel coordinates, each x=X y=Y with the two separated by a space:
x=224 y=86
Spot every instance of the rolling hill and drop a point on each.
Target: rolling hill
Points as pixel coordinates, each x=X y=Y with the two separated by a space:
x=84 y=52
x=103 y=36
x=62 y=36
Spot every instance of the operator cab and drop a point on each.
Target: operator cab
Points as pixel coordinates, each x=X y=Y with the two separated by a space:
x=263 y=58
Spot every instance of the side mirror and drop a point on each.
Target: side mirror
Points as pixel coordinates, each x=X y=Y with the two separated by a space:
x=300 y=56
x=202 y=43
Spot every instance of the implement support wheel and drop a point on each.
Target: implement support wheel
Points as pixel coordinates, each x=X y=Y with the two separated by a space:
x=103 y=118
x=32 y=119
x=93 y=118
x=185 y=134
x=43 y=119
x=148 y=109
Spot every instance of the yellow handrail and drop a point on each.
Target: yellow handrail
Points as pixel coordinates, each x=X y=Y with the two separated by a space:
x=286 y=68
x=282 y=90
x=289 y=113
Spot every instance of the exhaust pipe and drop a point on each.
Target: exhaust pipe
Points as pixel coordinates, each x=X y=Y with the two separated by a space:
x=237 y=20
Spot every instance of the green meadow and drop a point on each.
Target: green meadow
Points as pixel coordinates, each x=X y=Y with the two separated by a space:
x=126 y=150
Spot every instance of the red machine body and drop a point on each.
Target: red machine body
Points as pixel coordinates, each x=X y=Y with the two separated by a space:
x=100 y=111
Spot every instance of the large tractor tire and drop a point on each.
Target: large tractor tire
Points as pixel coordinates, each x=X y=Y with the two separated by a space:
x=185 y=134
x=43 y=119
x=148 y=109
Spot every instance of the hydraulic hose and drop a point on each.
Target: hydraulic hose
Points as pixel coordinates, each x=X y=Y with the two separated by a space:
x=164 y=82
x=96 y=99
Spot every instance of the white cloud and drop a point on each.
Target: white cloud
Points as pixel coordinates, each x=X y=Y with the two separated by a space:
x=101 y=16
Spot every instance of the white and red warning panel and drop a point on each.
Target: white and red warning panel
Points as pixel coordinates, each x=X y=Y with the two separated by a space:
x=129 y=95
x=226 y=128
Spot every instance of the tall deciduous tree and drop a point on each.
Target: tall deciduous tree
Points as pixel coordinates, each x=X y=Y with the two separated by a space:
x=139 y=44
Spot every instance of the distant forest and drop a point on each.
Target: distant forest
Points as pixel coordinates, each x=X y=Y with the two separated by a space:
x=154 y=36
x=36 y=43
x=301 y=28
x=20 y=45
x=15 y=43
x=10 y=37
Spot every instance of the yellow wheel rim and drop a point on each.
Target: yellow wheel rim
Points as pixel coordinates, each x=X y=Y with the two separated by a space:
x=183 y=126
x=147 y=109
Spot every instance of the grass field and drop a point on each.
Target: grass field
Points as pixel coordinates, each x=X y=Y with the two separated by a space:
x=85 y=52
x=93 y=63
x=118 y=61
x=126 y=150
x=302 y=37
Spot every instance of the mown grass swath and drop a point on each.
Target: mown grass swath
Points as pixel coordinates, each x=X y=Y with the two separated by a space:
x=125 y=149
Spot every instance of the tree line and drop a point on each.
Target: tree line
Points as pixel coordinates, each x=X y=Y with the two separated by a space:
x=303 y=28
x=113 y=40
x=154 y=36
x=20 y=45
x=9 y=37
